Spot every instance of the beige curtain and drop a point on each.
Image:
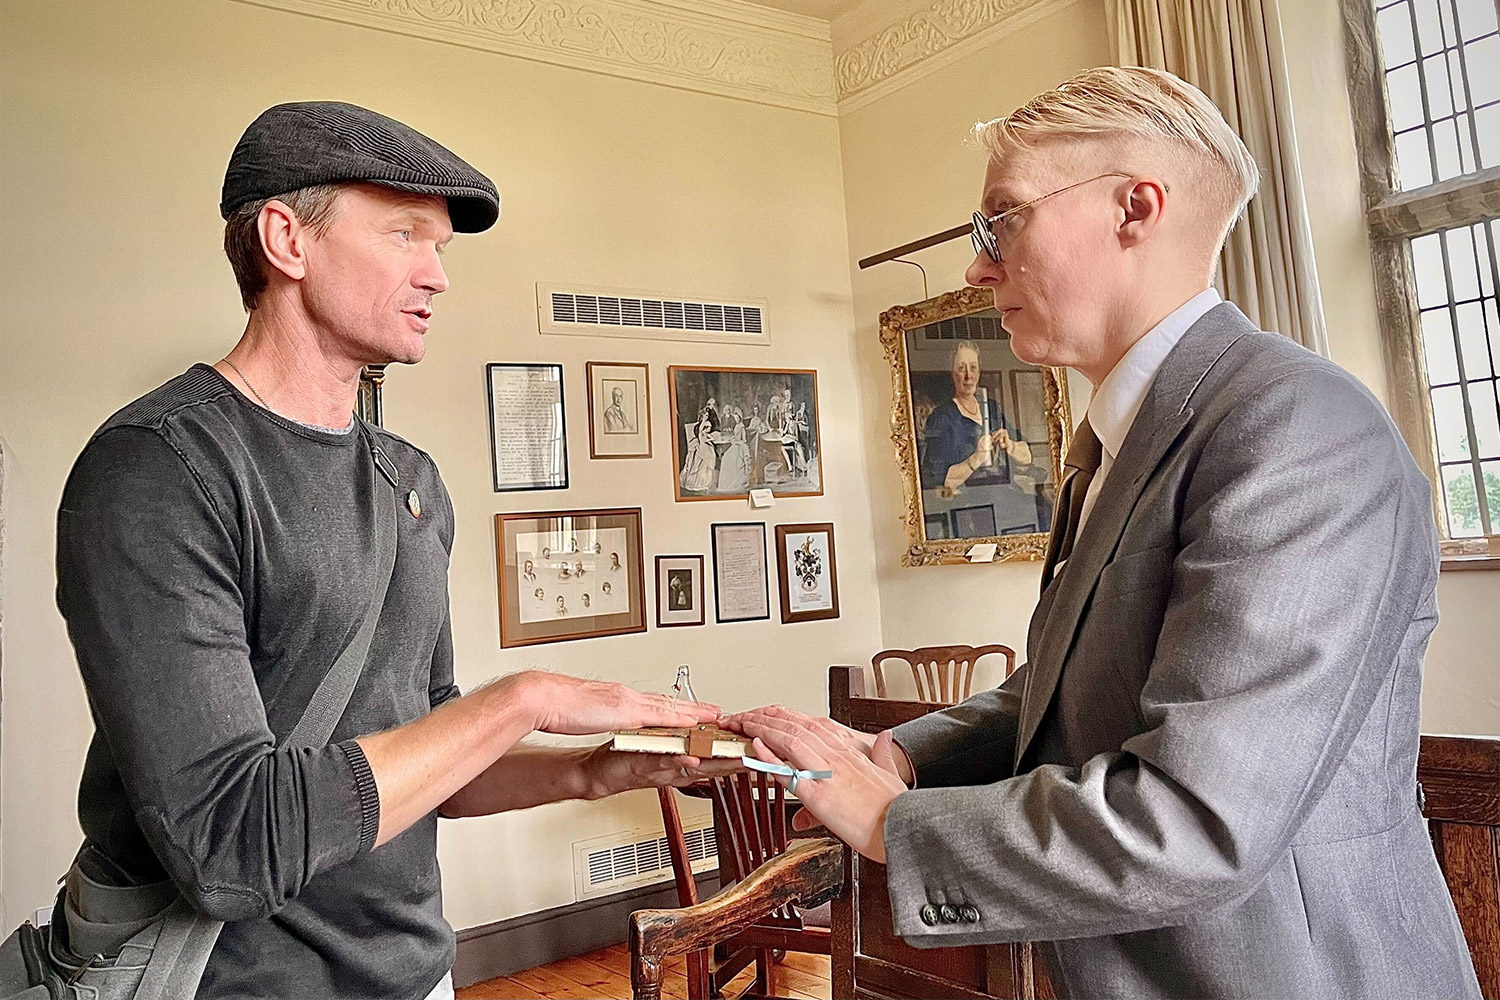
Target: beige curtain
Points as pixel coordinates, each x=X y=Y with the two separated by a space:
x=1232 y=50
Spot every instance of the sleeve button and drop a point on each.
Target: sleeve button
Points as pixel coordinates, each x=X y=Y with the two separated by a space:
x=949 y=914
x=929 y=914
x=969 y=914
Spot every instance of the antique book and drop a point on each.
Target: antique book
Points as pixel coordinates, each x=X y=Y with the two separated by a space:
x=700 y=741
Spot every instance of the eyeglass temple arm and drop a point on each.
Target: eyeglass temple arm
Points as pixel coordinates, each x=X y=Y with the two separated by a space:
x=922 y=244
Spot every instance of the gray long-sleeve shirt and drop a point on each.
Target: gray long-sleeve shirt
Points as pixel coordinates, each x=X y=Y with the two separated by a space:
x=213 y=559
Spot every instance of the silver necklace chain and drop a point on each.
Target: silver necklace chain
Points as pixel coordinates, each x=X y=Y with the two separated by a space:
x=252 y=388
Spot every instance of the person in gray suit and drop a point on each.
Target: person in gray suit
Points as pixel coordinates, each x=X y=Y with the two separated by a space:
x=1203 y=782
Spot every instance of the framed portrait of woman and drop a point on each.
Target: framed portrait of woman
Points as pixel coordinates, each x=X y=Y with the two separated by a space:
x=980 y=434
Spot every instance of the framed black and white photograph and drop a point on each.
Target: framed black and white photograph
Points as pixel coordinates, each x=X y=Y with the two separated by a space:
x=741 y=582
x=807 y=572
x=528 y=436
x=739 y=429
x=572 y=574
x=619 y=410
x=679 y=591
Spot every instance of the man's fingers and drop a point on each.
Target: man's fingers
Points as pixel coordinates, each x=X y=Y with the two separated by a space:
x=883 y=753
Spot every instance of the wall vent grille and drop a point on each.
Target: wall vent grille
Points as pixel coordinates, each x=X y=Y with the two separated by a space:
x=637 y=315
x=610 y=864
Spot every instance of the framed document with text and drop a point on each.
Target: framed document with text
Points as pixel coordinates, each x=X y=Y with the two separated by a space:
x=741 y=585
x=528 y=440
x=572 y=574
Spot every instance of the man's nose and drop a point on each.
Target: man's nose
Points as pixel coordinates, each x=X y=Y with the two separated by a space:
x=432 y=278
x=984 y=271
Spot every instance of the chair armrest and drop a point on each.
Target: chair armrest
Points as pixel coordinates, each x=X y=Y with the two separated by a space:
x=810 y=873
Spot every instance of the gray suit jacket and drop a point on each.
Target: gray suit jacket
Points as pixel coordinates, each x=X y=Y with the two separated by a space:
x=1203 y=783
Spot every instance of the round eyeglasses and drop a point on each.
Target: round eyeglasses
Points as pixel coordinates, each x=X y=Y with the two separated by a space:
x=988 y=242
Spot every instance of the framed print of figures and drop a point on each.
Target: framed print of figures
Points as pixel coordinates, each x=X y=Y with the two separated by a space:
x=738 y=429
x=741 y=585
x=619 y=410
x=679 y=591
x=980 y=434
x=807 y=571
x=572 y=574
x=528 y=441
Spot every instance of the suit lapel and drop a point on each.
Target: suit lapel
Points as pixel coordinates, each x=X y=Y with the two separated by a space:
x=1161 y=420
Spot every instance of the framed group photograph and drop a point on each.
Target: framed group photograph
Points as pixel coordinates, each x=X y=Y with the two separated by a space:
x=980 y=434
x=741 y=583
x=575 y=574
x=619 y=410
x=679 y=591
x=739 y=429
x=528 y=438
x=807 y=572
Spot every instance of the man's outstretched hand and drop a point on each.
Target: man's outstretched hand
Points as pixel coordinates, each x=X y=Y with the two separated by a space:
x=575 y=706
x=852 y=804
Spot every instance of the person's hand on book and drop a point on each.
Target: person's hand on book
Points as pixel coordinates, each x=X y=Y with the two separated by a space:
x=774 y=718
x=575 y=706
x=609 y=772
x=852 y=803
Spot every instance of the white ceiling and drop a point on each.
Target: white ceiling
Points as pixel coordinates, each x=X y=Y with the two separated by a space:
x=825 y=10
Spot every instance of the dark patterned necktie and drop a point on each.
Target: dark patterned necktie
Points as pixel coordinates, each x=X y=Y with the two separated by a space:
x=1082 y=462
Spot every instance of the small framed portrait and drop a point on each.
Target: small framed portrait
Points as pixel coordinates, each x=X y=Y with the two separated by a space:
x=619 y=410
x=740 y=429
x=574 y=574
x=528 y=439
x=742 y=588
x=978 y=521
x=679 y=591
x=807 y=572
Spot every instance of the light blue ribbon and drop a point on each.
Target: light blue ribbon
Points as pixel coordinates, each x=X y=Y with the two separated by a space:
x=786 y=771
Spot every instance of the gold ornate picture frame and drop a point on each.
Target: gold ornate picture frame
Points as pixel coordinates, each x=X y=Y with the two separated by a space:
x=954 y=384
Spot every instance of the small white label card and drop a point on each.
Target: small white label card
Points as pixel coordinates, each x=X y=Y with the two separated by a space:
x=762 y=498
x=983 y=552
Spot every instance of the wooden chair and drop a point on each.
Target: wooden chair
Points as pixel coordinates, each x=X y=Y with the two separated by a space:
x=1460 y=782
x=808 y=874
x=944 y=674
x=868 y=958
x=750 y=827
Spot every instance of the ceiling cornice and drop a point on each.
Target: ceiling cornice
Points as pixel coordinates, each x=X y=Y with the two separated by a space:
x=895 y=55
x=720 y=47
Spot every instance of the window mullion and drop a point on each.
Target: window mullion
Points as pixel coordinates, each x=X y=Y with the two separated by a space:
x=1475 y=469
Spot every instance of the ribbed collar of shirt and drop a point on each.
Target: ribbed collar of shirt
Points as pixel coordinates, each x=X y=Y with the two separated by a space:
x=1118 y=398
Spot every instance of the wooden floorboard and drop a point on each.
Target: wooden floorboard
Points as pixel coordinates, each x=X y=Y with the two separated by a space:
x=604 y=974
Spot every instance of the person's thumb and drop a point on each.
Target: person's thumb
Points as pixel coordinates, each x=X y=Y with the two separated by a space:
x=803 y=820
x=883 y=753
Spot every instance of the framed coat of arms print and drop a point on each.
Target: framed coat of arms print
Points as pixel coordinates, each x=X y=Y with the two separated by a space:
x=980 y=435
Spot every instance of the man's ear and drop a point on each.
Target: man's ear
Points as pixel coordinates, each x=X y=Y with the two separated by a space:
x=283 y=239
x=1143 y=203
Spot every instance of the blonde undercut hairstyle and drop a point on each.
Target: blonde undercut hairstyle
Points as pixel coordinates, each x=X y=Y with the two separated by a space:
x=1134 y=102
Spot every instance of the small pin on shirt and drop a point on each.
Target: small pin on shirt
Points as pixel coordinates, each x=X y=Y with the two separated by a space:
x=414 y=504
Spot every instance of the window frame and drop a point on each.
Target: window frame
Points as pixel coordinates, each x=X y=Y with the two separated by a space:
x=1394 y=218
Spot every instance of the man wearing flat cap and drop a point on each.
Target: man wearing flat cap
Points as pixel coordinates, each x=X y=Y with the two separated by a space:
x=226 y=538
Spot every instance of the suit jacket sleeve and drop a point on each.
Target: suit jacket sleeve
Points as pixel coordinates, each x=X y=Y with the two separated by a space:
x=972 y=743
x=1306 y=544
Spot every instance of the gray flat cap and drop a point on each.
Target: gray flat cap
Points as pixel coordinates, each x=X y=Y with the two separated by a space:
x=292 y=146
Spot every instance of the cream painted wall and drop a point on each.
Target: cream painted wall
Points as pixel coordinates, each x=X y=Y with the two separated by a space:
x=909 y=171
x=118 y=120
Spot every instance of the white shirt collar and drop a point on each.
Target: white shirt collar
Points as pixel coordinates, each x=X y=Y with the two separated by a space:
x=1119 y=397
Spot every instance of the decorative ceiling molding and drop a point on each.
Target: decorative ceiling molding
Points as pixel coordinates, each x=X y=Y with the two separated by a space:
x=731 y=49
x=928 y=40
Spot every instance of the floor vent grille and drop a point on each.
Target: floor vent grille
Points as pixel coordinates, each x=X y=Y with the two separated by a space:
x=610 y=864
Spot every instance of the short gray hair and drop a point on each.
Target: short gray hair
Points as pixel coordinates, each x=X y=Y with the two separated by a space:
x=313 y=206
